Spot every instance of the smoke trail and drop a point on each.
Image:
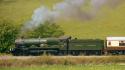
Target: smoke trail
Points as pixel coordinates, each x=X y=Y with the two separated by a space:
x=96 y=4
x=67 y=9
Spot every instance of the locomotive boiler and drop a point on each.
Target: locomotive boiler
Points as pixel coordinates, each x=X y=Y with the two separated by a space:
x=39 y=46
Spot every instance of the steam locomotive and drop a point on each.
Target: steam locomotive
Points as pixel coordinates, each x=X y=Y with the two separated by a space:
x=65 y=46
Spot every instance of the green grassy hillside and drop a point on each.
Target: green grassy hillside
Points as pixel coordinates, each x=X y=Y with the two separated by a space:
x=109 y=22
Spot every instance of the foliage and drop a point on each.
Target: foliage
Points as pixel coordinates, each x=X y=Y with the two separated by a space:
x=46 y=30
x=8 y=34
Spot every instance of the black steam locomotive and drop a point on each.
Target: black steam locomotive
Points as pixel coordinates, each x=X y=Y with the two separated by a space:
x=62 y=46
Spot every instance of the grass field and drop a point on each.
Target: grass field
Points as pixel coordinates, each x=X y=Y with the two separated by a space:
x=108 y=22
x=62 y=63
x=68 y=67
x=21 y=61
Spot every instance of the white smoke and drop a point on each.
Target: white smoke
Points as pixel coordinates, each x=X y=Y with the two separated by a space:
x=64 y=10
x=96 y=4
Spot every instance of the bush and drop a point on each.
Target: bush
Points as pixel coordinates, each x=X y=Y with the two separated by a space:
x=46 y=30
x=8 y=34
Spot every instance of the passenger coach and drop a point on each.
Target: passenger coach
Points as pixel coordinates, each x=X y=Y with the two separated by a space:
x=115 y=45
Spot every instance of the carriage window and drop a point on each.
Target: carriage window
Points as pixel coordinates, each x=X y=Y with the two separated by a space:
x=121 y=43
x=109 y=43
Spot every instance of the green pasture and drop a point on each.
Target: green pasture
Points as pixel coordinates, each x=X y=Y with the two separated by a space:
x=68 y=67
x=108 y=22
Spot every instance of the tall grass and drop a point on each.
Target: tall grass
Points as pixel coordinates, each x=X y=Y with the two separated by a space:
x=62 y=60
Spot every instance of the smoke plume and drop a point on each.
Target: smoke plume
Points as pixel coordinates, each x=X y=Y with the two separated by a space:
x=66 y=9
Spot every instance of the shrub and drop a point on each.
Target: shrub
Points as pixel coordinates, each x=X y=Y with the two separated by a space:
x=8 y=34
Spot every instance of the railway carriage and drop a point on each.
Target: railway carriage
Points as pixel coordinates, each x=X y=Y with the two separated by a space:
x=115 y=45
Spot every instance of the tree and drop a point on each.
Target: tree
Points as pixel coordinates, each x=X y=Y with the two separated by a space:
x=46 y=30
x=8 y=33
